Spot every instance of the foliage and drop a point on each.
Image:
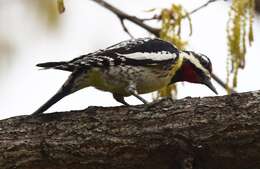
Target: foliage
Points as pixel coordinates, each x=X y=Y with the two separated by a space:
x=171 y=31
x=239 y=31
x=46 y=14
x=60 y=5
x=171 y=25
x=46 y=11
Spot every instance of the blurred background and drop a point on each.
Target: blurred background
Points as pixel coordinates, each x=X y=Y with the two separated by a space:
x=32 y=31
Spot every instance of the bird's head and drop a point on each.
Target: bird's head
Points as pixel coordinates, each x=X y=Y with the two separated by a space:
x=195 y=68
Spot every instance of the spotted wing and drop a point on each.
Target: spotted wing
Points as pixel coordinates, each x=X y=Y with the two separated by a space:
x=142 y=51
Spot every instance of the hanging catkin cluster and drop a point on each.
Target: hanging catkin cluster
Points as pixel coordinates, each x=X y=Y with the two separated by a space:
x=171 y=28
x=239 y=32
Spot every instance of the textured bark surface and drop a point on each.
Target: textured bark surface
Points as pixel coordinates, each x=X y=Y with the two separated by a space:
x=199 y=133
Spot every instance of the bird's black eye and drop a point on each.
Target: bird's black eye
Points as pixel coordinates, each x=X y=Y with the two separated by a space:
x=204 y=60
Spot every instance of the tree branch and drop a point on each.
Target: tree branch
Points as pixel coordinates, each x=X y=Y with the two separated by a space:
x=202 y=133
x=125 y=28
x=221 y=83
x=122 y=16
x=189 y=13
x=155 y=31
x=202 y=6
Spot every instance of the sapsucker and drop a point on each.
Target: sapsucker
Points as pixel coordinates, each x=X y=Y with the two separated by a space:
x=131 y=67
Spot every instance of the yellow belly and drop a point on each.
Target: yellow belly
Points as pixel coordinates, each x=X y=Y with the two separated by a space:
x=118 y=80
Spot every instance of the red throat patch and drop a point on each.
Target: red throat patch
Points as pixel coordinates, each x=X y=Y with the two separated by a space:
x=189 y=74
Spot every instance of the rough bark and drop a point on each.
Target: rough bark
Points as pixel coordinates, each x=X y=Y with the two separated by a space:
x=199 y=133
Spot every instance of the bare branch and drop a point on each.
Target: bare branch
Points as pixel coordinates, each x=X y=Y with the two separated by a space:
x=202 y=6
x=122 y=16
x=125 y=28
x=155 y=17
x=221 y=83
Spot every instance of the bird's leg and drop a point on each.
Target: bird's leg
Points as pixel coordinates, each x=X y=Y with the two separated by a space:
x=120 y=99
x=132 y=90
x=154 y=102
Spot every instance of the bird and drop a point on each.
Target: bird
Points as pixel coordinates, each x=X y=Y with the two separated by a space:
x=131 y=68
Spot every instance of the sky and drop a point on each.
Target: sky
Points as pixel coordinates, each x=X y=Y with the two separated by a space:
x=86 y=27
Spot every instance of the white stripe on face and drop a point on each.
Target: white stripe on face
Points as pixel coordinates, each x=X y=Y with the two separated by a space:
x=164 y=55
x=195 y=61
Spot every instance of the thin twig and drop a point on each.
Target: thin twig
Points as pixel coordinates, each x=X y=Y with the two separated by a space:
x=155 y=17
x=189 y=13
x=155 y=31
x=125 y=28
x=202 y=6
x=149 y=19
x=122 y=16
x=221 y=83
x=199 y=8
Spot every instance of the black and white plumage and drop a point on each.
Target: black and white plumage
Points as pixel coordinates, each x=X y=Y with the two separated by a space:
x=134 y=52
x=130 y=67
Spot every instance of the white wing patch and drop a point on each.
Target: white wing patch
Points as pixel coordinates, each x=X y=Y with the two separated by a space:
x=164 y=55
x=195 y=61
x=122 y=44
x=131 y=41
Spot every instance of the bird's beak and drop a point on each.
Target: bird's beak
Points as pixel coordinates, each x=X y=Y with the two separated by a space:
x=208 y=83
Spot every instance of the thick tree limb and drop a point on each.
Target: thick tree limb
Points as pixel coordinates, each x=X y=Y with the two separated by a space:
x=199 y=133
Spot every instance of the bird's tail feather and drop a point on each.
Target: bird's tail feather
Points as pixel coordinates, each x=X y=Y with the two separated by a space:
x=57 y=65
x=50 y=64
x=66 y=89
x=54 y=99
